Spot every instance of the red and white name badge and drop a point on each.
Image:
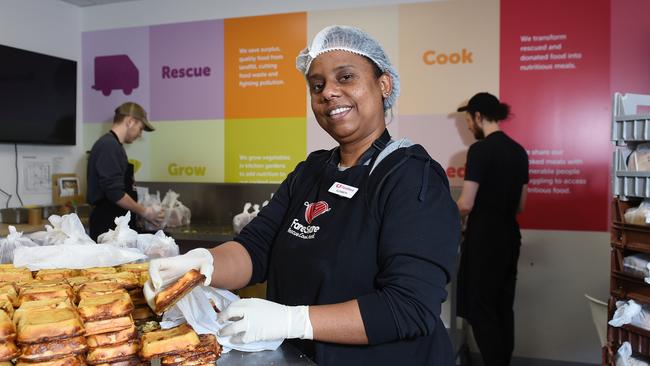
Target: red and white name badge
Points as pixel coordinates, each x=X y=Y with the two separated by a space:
x=343 y=190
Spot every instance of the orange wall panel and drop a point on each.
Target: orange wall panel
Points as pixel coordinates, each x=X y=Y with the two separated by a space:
x=261 y=80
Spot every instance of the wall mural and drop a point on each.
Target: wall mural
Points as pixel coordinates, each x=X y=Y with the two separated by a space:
x=229 y=105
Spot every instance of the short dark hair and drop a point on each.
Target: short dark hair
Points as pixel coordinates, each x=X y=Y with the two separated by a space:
x=488 y=105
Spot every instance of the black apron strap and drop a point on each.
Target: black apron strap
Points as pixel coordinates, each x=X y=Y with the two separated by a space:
x=375 y=149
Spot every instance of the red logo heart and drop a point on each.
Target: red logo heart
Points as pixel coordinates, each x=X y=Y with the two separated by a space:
x=315 y=209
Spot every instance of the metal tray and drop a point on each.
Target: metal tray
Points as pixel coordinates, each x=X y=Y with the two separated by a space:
x=14 y=215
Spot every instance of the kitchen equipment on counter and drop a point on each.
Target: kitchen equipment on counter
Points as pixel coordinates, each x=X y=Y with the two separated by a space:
x=50 y=210
x=35 y=215
x=14 y=215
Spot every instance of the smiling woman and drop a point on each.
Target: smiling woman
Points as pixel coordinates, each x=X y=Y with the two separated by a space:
x=355 y=274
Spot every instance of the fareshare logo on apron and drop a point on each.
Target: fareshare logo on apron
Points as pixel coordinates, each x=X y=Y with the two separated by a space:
x=312 y=211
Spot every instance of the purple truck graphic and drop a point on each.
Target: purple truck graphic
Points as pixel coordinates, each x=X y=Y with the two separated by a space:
x=115 y=72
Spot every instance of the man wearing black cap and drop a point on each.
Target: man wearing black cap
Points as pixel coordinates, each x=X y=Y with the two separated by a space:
x=110 y=175
x=494 y=191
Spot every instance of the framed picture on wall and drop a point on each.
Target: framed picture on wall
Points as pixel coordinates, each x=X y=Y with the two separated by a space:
x=66 y=189
x=68 y=186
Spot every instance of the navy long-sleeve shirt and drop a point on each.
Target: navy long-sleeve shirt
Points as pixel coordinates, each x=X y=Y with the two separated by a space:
x=395 y=250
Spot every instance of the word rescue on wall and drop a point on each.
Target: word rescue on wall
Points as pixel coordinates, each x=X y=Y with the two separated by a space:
x=185 y=72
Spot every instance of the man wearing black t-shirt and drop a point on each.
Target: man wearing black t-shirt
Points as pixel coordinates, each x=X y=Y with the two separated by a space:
x=494 y=191
x=111 y=189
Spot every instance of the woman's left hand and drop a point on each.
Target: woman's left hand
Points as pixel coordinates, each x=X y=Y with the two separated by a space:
x=261 y=320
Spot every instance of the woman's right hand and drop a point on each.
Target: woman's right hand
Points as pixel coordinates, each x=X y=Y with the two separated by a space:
x=164 y=271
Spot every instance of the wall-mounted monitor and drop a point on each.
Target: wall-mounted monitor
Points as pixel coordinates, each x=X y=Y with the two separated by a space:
x=38 y=98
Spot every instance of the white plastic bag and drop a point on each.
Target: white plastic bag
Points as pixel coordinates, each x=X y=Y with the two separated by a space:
x=632 y=313
x=38 y=237
x=66 y=229
x=9 y=244
x=176 y=214
x=149 y=200
x=242 y=219
x=123 y=236
x=256 y=210
x=74 y=256
x=196 y=309
x=624 y=356
x=157 y=246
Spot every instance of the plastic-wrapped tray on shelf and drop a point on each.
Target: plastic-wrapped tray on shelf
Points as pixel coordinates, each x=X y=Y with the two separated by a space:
x=628 y=236
x=629 y=123
x=632 y=264
x=618 y=256
x=618 y=210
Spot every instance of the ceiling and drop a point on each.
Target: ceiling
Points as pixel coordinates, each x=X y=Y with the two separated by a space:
x=84 y=3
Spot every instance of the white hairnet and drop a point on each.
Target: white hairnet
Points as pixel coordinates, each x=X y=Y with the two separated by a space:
x=351 y=39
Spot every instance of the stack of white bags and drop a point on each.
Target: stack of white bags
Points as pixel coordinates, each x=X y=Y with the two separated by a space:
x=65 y=241
x=243 y=218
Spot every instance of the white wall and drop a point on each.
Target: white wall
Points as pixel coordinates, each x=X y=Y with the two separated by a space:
x=148 y=12
x=53 y=28
x=556 y=268
x=552 y=316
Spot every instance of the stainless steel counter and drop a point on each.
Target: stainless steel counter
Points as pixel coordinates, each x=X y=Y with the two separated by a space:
x=203 y=231
x=286 y=355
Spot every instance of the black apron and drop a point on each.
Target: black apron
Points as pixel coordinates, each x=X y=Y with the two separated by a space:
x=319 y=235
x=488 y=268
x=104 y=212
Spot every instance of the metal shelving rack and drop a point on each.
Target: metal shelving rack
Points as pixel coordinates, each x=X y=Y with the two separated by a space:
x=628 y=130
x=629 y=188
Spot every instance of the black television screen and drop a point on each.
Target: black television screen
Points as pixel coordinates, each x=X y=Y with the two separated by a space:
x=38 y=98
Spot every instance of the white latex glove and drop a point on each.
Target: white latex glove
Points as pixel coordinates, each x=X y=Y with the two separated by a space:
x=153 y=216
x=164 y=271
x=261 y=320
x=149 y=294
